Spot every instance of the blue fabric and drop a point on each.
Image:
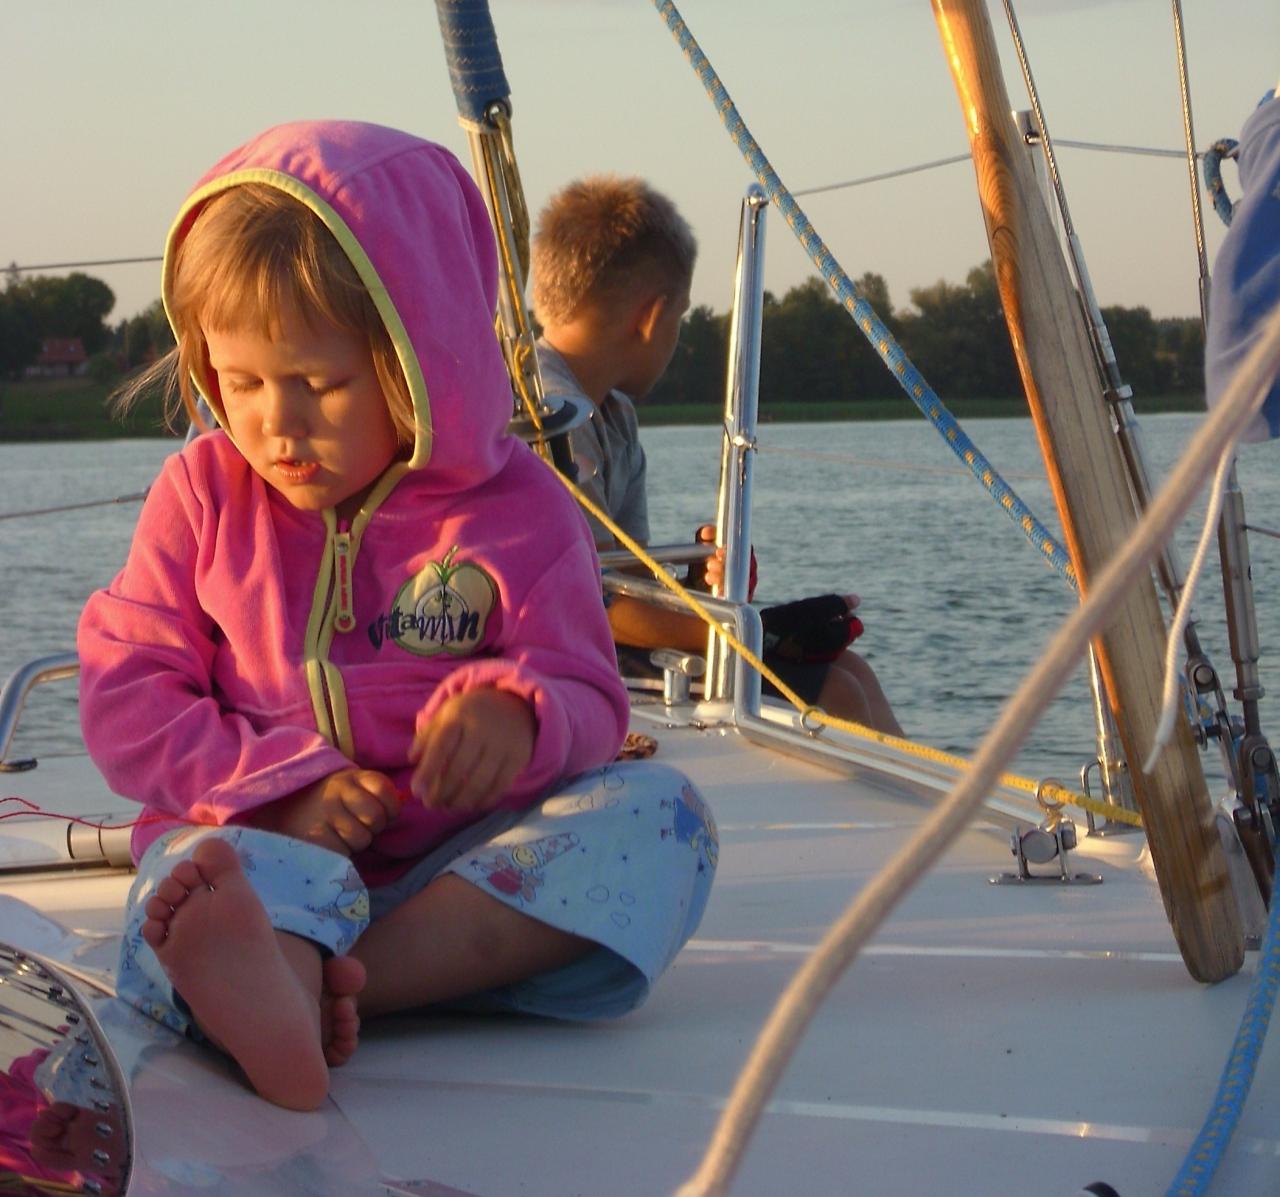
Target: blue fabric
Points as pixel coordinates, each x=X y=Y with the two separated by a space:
x=623 y=856
x=307 y=891
x=1246 y=277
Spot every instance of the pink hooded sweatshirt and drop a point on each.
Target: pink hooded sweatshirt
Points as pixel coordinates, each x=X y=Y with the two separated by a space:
x=249 y=648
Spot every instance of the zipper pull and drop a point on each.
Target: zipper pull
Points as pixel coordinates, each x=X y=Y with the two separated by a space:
x=345 y=619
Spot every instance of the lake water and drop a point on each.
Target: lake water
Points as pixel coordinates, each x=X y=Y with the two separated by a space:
x=957 y=605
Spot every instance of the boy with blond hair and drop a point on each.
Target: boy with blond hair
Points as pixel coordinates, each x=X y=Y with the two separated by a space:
x=612 y=268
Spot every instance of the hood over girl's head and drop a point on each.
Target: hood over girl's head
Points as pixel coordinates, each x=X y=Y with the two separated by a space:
x=375 y=231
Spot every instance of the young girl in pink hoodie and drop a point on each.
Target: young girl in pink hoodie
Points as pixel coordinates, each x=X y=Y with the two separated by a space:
x=357 y=668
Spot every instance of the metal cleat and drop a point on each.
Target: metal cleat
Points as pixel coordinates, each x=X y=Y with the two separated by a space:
x=678 y=672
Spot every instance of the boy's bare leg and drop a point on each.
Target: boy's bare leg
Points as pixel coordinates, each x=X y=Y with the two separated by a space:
x=852 y=691
x=254 y=991
x=450 y=940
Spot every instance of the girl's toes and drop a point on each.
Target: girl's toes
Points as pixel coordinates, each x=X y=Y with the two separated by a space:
x=171 y=891
x=213 y=860
x=185 y=877
x=343 y=976
x=154 y=931
x=158 y=909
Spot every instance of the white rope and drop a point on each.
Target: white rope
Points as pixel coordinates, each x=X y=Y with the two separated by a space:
x=840 y=946
x=1173 y=646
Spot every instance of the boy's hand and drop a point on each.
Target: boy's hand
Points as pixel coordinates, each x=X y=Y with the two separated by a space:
x=472 y=750
x=711 y=575
x=811 y=629
x=341 y=812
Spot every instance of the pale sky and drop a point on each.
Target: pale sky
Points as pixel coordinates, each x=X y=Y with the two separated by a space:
x=112 y=111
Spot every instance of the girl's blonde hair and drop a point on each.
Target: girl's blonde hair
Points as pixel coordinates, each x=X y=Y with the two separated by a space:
x=251 y=251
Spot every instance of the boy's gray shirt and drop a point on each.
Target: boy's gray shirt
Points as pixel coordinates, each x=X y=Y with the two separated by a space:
x=607 y=451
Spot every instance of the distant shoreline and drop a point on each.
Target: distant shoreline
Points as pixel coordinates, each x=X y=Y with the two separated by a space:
x=861 y=410
x=76 y=410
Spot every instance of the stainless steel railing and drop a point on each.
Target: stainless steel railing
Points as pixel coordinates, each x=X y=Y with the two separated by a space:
x=21 y=682
x=737 y=452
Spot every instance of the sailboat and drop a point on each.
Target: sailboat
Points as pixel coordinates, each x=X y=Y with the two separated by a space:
x=1045 y=984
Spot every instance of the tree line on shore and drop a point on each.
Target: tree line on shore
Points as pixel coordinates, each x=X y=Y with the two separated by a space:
x=955 y=335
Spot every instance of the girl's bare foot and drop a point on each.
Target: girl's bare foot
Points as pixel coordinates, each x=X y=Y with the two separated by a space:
x=339 y=1020
x=215 y=943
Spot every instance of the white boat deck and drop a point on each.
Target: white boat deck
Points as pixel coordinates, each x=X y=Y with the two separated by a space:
x=991 y=1040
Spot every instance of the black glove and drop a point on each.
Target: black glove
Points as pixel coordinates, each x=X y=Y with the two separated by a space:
x=811 y=629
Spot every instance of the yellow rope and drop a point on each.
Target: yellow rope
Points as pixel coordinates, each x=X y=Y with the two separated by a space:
x=1050 y=791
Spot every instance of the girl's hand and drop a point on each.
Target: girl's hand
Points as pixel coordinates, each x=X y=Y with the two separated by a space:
x=472 y=750
x=341 y=812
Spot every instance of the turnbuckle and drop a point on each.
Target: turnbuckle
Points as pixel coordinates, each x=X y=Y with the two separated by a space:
x=1255 y=814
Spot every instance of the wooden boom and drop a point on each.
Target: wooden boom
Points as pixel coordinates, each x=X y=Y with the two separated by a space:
x=1082 y=456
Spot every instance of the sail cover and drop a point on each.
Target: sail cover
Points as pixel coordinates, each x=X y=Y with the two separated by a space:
x=1246 y=277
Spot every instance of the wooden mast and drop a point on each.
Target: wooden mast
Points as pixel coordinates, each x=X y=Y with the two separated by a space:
x=1086 y=472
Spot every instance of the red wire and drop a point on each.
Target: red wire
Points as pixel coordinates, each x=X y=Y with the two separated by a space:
x=33 y=809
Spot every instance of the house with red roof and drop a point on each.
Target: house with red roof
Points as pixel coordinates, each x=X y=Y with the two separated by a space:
x=60 y=357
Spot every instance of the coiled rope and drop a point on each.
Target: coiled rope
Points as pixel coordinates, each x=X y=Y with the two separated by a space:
x=864 y=315
x=1222 y=205
x=1228 y=147
x=840 y=946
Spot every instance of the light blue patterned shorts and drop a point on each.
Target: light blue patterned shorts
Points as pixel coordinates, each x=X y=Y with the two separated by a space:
x=623 y=856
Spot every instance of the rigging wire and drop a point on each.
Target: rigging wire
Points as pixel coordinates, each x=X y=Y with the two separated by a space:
x=1189 y=137
x=14 y=268
x=18 y=515
x=917 y=168
x=1101 y=147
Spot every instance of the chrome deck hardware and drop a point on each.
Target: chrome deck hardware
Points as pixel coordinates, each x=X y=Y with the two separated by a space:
x=1050 y=841
x=678 y=673
x=1113 y=775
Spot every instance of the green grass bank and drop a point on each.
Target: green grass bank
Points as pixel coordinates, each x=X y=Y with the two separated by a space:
x=71 y=409
x=76 y=409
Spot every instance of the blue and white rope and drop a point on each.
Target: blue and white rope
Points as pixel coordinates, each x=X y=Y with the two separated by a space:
x=864 y=315
x=1206 y=1152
